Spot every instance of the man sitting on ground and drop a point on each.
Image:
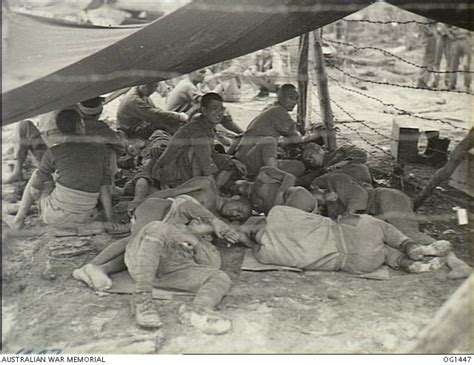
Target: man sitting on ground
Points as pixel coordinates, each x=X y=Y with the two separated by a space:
x=258 y=146
x=190 y=153
x=82 y=178
x=138 y=117
x=276 y=187
x=186 y=98
x=165 y=244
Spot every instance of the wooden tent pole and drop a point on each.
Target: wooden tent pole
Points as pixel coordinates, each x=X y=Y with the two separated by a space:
x=323 y=91
x=302 y=82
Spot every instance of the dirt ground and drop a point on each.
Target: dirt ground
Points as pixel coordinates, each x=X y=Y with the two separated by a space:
x=45 y=309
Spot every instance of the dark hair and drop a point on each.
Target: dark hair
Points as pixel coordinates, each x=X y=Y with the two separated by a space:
x=93 y=103
x=208 y=97
x=67 y=121
x=285 y=88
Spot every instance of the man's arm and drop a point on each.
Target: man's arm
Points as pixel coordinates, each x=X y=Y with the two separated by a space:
x=203 y=154
x=228 y=123
x=154 y=115
x=105 y=197
x=204 y=184
x=271 y=175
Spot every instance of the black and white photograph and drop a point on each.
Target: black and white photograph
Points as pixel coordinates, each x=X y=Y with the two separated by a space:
x=237 y=177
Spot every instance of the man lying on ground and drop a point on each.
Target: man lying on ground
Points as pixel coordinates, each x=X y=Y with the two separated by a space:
x=82 y=178
x=272 y=187
x=355 y=244
x=347 y=158
x=205 y=191
x=344 y=195
x=167 y=244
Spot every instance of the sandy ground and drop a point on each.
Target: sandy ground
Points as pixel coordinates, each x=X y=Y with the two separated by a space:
x=272 y=312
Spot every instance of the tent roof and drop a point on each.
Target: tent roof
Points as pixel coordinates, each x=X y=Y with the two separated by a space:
x=49 y=65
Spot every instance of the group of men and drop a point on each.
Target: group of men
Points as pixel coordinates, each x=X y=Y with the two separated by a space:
x=454 y=44
x=268 y=191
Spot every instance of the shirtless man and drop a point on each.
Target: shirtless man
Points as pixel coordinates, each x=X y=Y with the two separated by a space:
x=272 y=187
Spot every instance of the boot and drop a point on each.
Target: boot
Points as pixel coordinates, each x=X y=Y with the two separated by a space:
x=145 y=310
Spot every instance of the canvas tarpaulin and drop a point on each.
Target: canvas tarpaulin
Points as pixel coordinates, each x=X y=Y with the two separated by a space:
x=48 y=66
x=199 y=34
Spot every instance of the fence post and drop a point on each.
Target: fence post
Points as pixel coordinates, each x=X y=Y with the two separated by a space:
x=302 y=82
x=323 y=91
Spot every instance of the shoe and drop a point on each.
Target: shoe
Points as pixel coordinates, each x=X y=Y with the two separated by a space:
x=145 y=311
x=206 y=321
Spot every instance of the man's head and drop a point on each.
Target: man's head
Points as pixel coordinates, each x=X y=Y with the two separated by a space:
x=197 y=76
x=288 y=96
x=237 y=208
x=91 y=108
x=313 y=154
x=68 y=121
x=148 y=89
x=212 y=107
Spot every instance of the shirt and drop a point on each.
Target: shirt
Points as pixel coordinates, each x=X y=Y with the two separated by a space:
x=183 y=97
x=136 y=108
x=198 y=134
x=79 y=166
x=273 y=121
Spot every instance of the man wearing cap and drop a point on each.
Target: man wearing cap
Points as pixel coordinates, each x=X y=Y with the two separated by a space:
x=138 y=117
x=37 y=139
x=272 y=187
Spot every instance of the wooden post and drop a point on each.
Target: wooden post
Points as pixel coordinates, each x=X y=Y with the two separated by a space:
x=302 y=82
x=323 y=91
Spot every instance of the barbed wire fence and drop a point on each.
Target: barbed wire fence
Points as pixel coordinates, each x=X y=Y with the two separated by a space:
x=362 y=127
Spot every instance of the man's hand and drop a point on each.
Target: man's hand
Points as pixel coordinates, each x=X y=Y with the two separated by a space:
x=240 y=166
x=183 y=117
x=224 y=231
x=331 y=197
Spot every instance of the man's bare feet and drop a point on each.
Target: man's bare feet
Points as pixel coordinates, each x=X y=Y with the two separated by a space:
x=432 y=264
x=93 y=276
x=14 y=223
x=459 y=269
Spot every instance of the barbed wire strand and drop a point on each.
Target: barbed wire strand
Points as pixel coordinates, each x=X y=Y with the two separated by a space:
x=358 y=48
x=398 y=85
x=403 y=111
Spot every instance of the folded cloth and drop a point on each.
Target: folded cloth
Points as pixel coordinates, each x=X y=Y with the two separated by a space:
x=65 y=207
